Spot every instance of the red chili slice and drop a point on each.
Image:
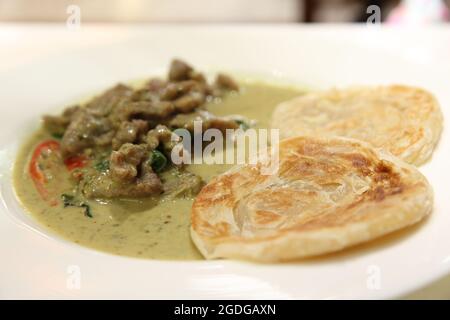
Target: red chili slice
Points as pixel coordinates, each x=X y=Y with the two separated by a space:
x=38 y=176
x=75 y=162
x=36 y=173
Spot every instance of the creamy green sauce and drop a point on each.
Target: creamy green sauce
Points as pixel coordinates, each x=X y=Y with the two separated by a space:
x=142 y=228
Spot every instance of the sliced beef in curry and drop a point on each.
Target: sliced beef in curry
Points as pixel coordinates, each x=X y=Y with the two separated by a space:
x=122 y=131
x=130 y=175
x=207 y=120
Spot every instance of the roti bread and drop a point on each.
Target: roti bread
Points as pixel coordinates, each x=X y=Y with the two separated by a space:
x=404 y=120
x=328 y=194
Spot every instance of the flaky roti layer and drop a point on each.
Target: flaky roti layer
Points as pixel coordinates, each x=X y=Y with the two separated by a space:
x=404 y=120
x=328 y=194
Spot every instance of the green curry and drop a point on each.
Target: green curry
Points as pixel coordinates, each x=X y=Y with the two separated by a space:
x=148 y=222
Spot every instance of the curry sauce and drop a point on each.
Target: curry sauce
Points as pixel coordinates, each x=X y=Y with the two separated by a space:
x=153 y=227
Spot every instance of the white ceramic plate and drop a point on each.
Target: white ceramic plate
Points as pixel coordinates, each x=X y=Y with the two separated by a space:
x=44 y=68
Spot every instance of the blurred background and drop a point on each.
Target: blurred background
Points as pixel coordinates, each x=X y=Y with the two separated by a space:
x=268 y=11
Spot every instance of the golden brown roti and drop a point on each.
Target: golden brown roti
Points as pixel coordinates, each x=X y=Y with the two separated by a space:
x=328 y=194
x=404 y=120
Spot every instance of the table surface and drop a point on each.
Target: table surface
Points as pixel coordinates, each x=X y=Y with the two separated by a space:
x=22 y=43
